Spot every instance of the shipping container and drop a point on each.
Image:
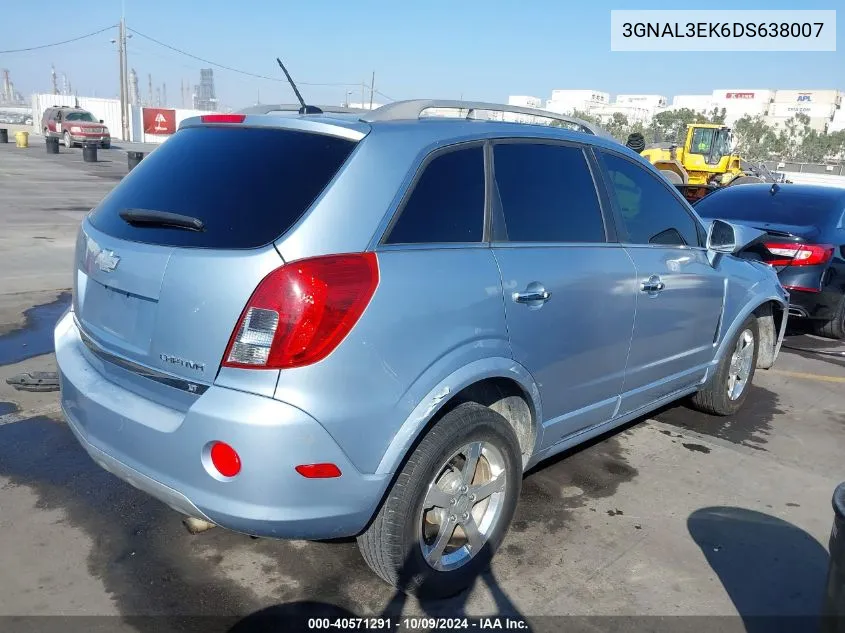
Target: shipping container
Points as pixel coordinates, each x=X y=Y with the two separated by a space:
x=819 y=124
x=812 y=110
x=698 y=103
x=525 y=101
x=642 y=101
x=743 y=95
x=809 y=96
x=580 y=95
x=838 y=123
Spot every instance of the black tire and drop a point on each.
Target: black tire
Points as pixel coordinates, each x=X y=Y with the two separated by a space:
x=672 y=176
x=106 y=144
x=713 y=397
x=835 y=328
x=391 y=545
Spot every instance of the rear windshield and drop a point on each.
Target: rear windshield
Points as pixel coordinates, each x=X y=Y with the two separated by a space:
x=751 y=203
x=247 y=185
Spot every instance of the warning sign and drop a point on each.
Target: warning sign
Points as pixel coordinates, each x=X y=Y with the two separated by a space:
x=159 y=121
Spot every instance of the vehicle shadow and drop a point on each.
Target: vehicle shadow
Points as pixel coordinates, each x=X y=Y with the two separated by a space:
x=300 y=615
x=773 y=571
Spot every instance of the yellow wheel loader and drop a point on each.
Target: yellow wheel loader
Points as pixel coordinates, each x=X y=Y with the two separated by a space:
x=704 y=162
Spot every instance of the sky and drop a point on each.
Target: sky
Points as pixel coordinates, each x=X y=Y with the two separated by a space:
x=447 y=49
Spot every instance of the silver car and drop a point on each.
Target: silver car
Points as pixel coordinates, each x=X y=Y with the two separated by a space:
x=329 y=325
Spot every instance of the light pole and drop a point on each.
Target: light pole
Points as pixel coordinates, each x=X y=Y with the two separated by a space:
x=124 y=78
x=348 y=93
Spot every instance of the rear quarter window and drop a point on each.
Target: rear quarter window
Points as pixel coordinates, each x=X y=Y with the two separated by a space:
x=247 y=185
x=447 y=202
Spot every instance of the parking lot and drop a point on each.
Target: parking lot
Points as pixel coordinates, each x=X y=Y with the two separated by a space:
x=679 y=513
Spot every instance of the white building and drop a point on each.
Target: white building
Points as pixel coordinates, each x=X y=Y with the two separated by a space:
x=567 y=101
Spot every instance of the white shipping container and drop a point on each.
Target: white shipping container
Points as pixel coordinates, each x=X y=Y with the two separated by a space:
x=631 y=111
x=558 y=107
x=642 y=101
x=580 y=95
x=812 y=110
x=819 y=124
x=525 y=101
x=698 y=103
x=748 y=107
x=808 y=96
x=838 y=123
x=743 y=95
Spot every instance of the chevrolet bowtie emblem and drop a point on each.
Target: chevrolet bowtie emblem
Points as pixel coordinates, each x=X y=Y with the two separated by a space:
x=106 y=261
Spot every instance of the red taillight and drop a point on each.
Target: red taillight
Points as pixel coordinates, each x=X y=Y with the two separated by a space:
x=796 y=254
x=223 y=118
x=225 y=459
x=300 y=312
x=318 y=471
x=802 y=288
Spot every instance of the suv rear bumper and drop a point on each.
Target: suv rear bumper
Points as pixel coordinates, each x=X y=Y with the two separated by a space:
x=159 y=450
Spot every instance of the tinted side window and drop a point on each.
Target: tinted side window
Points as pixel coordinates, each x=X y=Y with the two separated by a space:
x=547 y=194
x=447 y=203
x=650 y=213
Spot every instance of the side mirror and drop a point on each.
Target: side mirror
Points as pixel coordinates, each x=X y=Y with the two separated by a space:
x=724 y=237
x=101 y=121
x=721 y=237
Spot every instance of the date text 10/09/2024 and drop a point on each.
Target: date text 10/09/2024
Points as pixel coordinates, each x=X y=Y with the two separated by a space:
x=418 y=624
x=721 y=29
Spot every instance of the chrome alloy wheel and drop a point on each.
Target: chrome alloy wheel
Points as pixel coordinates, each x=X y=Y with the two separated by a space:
x=463 y=506
x=740 y=368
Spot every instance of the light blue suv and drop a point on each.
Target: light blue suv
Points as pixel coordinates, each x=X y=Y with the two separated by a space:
x=333 y=324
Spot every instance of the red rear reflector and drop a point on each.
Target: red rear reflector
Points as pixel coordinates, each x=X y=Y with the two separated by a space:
x=802 y=288
x=797 y=254
x=318 y=471
x=223 y=118
x=300 y=312
x=225 y=459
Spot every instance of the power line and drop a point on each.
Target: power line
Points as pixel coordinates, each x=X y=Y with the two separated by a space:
x=234 y=70
x=75 y=39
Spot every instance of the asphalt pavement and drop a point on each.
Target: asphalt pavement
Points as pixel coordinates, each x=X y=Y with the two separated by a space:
x=678 y=513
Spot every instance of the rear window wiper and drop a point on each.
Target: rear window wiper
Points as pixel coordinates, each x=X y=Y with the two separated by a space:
x=152 y=218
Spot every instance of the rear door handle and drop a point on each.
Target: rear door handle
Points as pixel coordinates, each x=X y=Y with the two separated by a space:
x=652 y=285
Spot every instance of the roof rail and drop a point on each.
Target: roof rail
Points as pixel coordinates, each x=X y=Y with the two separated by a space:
x=413 y=109
x=264 y=108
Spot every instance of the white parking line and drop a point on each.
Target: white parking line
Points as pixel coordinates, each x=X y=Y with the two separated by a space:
x=19 y=416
